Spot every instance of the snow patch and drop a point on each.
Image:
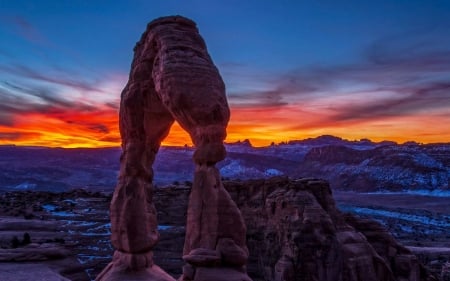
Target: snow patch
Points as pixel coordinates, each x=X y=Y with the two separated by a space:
x=50 y=208
x=423 y=192
x=273 y=172
x=235 y=169
x=25 y=186
x=390 y=214
x=164 y=227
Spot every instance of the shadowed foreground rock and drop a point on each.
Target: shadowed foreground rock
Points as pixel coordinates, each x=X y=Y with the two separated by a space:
x=296 y=233
x=173 y=78
x=277 y=211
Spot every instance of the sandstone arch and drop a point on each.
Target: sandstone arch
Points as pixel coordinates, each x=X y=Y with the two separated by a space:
x=172 y=78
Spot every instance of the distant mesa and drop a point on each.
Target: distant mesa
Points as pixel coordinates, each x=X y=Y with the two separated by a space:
x=323 y=140
x=245 y=142
x=332 y=140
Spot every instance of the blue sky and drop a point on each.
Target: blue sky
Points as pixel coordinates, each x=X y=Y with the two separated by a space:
x=345 y=63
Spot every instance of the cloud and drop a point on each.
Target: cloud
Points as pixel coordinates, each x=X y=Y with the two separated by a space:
x=271 y=98
x=14 y=136
x=23 y=71
x=5 y=119
x=421 y=99
x=48 y=114
x=100 y=128
x=25 y=99
x=397 y=77
x=422 y=48
x=110 y=139
x=254 y=89
x=399 y=89
x=24 y=29
x=112 y=105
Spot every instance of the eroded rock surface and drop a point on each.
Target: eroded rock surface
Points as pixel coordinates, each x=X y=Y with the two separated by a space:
x=215 y=246
x=25 y=271
x=173 y=78
x=81 y=219
x=301 y=235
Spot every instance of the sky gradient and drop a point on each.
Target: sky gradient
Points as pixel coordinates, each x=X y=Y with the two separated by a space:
x=293 y=69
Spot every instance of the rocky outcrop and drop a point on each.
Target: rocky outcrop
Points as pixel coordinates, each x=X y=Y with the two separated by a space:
x=295 y=232
x=404 y=264
x=394 y=167
x=27 y=271
x=34 y=252
x=173 y=78
x=348 y=238
x=215 y=246
x=445 y=273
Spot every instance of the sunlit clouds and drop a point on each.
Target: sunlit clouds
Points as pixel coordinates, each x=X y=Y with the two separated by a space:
x=291 y=70
x=352 y=102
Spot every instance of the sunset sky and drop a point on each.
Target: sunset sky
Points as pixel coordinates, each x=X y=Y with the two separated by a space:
x=293 y=69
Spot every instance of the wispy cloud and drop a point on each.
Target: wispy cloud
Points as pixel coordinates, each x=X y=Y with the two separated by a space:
x=394 y=79
x=15 y=136
x=420 y=99
x=23 y=71
x=24 y=28
x=250 y=88
x=399 y=89
x=18 y=99
x=32 y=110
x=270 y=98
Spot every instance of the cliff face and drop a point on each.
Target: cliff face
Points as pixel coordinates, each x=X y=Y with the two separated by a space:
x=295 y=232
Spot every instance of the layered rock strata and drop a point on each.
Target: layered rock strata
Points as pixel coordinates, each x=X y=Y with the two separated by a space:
x=296 y=233
x=173 y=78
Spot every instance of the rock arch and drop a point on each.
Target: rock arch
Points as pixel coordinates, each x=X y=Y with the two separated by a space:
x=172 y=78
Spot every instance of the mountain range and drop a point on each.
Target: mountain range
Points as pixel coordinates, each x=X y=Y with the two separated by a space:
x=361 y=166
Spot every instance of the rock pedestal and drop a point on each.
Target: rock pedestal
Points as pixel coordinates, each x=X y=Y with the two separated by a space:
x=215 y=246
x=172 y=78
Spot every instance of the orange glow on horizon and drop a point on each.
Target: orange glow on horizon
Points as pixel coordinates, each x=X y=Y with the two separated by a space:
x=261 y=126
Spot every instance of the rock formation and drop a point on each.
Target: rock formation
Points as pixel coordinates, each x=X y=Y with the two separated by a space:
x=173 y=78
x=301 y=235
x=279 y=216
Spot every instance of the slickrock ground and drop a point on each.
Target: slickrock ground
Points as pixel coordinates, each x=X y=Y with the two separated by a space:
x=26 y=272
x=76 y=224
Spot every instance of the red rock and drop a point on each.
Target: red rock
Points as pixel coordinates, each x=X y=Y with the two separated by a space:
x=301 y=235
x=202 y=257
x=117 y=273
x=172 y=78
x=220 y=274
x=231 y=253
x=214 y=222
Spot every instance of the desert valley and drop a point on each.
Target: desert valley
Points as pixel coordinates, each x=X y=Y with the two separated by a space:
x=61 y=197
